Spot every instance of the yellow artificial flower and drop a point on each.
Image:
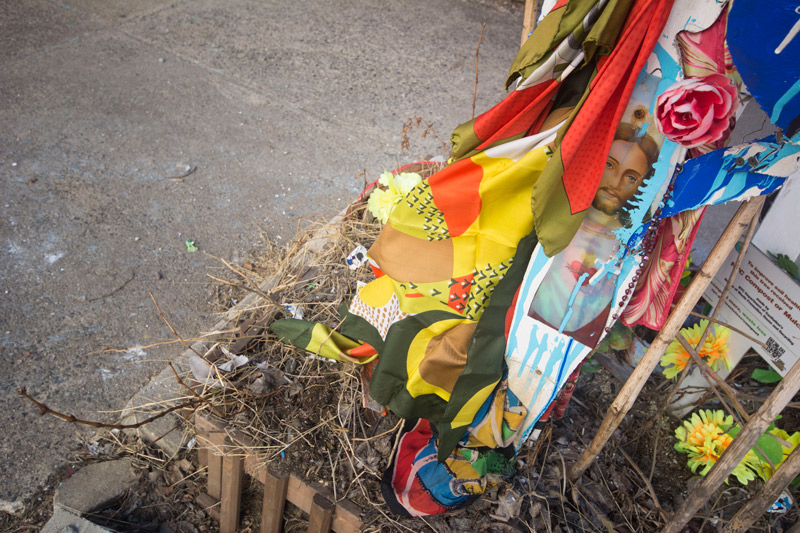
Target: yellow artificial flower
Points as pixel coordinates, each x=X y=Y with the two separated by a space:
x=382 y=201
x=714 y=350
x=704 y=437
x=792 y=441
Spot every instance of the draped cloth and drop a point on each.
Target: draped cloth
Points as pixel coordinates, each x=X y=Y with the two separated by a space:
x=702 y=53
x=450 y=259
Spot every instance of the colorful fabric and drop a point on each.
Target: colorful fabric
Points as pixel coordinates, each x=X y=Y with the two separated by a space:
x=703 y=53
x=417 y=484
x=566 y=189
x=321 y=340
x=565 y=40
x=656 y=288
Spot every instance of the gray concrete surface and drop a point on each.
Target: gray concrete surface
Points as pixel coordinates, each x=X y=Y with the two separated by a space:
x=95 y=485
x=64 y=521
x=278 y=104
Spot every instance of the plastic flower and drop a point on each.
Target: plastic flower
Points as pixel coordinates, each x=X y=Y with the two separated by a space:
x=382 y=201
x=704 y=437
x=697 y=111
x=714 y=350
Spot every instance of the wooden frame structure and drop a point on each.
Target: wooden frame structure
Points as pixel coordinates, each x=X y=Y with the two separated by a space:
x=225 y=453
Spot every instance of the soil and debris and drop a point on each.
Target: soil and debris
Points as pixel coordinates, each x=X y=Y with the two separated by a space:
x=306 y=414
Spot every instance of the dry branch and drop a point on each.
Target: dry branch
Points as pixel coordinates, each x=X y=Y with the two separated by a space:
x=45 y=410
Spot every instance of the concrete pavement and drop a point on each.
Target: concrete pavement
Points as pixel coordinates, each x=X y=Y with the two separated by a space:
x=276 y=105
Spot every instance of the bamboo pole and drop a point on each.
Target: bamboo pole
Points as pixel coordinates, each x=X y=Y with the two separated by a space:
x=766 y=496
x=734 y=454
x=529 y=17
x=630 y=391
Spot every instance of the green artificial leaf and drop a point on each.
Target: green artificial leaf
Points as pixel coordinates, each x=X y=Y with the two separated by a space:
x=768 y=446
x=589 y=366
x=787 y=264
x=603 y=347
x=766 y=376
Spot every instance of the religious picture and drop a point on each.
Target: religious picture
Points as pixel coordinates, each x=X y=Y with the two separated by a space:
x=575 y=295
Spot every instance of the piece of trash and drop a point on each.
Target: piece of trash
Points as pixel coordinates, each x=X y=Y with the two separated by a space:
x=283 y=454
x=200 y=368
x=191 y=246
x=191 y=443
x=325 y=359
x=297 y=311
x=259 y=386
x=357 y=257
x=782 y=504
x=235 y=361
x=209 y=374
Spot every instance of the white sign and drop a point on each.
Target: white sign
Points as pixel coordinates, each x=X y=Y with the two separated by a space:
x=764 y=302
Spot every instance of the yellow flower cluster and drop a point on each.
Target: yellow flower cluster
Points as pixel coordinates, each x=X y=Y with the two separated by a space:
x=382 y=201
x=705 y=436
x=714 y=350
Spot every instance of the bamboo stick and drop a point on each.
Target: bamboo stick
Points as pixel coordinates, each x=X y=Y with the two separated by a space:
x=732 y=456
x=713 y=318
x=630 y=391
x=766 y=496
x=529 y=17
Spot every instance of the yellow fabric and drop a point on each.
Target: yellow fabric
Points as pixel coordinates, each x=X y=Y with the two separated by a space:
x=489 y=430
x=416 y=383
x=327 y=343
x=467 y=412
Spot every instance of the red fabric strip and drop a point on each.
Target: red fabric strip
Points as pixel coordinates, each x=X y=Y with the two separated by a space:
x=586 y=144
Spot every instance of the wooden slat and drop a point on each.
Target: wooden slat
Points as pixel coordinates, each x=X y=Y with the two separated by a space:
x=216 y=445
x=346 y=515
x=210 y=505
x=276 y=485
x=231 y=498
x=320 y=517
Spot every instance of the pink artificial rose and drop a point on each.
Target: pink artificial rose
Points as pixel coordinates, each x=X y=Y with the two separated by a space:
x=697 y=111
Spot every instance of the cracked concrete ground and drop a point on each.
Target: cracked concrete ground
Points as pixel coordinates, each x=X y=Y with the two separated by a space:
x=278 y=106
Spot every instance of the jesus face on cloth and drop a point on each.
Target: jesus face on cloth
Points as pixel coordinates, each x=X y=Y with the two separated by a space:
x=625 y=171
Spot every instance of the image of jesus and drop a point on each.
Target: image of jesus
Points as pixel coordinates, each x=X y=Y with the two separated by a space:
x=575 y=295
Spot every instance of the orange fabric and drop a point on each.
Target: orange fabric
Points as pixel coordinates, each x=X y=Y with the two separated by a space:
x=462 y=205
x=438 y=263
